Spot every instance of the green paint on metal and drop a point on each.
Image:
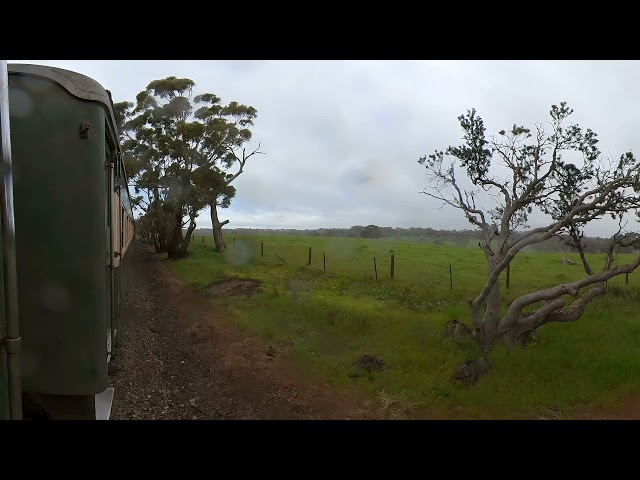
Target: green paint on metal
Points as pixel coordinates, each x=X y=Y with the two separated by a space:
x=4 y=378
x=4 y=390
x=60 y=198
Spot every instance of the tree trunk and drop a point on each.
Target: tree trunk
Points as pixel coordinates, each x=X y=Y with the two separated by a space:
x=173 y=247
x=491 y=314
x=159 y=227
x=519 y=334
x=476 y=318
x=156 y=243
x=554 y=310
x=187 y=238
x=217 y=228
x=159 y=240
x=162 y=241
x=158 y=234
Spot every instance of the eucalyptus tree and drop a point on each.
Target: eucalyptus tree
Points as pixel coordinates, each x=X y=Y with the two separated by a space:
x=179 y=148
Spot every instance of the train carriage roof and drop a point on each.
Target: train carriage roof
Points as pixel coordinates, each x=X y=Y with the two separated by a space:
x=78 y=85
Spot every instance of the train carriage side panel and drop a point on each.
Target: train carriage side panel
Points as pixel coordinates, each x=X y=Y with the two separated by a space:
x=4 y=378
x=59 y=149
x=118 y=192
x=4 y=387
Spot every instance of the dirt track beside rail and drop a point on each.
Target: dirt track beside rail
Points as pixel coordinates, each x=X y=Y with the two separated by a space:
x=179 y=359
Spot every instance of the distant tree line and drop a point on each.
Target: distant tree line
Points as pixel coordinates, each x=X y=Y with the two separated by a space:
x=461 y=238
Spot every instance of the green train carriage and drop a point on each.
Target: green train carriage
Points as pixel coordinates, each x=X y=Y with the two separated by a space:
x=73 y=229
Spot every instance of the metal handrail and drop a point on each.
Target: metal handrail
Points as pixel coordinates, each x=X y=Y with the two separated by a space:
x=12 y=340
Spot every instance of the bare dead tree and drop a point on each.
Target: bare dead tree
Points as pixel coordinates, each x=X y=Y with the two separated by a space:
x=571 y=195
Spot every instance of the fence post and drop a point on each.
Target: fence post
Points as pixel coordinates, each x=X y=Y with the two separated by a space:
x=324 y=261
x=375 y=267
x=450 y=277
x=262 y=249
x=202 y=238
x=309 y=256
x=627 y=279
x=393 y=264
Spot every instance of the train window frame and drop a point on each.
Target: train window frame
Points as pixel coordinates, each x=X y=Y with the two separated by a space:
x=122 y=228
x=107 y=197
x=112 y=162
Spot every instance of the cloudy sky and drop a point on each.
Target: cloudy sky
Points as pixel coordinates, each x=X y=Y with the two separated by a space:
x=343 y=137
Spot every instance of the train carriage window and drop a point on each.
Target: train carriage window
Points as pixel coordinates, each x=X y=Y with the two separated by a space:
x=112 y=221
x=107 y=217
x=123 y=226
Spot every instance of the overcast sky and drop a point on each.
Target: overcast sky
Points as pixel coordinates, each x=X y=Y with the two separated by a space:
x=343 y=137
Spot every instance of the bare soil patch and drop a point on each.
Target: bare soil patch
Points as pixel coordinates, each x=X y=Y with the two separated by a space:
x=235 y=286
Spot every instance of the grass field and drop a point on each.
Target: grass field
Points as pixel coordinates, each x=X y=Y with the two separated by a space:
x=330 y=319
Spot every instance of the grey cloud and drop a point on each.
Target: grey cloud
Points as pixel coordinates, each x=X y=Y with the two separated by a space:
x=343 y=137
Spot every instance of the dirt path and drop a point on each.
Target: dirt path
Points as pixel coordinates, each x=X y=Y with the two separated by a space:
x=178 y=359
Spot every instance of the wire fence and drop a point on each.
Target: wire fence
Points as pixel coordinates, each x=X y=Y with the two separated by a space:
x=418 y=263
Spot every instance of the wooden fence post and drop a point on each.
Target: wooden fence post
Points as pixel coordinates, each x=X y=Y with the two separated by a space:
x=375 y=267
x=393 y=264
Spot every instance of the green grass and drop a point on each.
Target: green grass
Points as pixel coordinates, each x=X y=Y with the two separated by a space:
x=332 y=318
